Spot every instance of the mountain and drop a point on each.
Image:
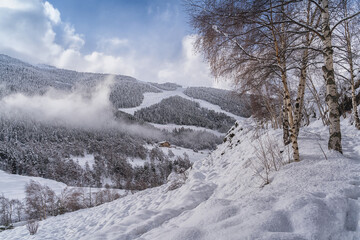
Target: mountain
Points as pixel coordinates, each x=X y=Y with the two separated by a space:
x=51 y=119
x=226 y=196
x=17 y=76
x=126 y=92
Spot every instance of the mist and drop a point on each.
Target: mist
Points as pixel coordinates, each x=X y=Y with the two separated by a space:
x=77 y=108
x=80 y=108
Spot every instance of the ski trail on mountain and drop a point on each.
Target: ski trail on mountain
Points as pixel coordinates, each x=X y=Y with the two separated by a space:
x=154 y=98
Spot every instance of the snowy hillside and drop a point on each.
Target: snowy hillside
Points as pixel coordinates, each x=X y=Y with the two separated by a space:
x=53 y=121
x=20 y=77
x=13 y=186
x=154 y=98
x=317 y=198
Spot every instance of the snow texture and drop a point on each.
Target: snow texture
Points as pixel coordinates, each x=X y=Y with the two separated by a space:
x=316 y=198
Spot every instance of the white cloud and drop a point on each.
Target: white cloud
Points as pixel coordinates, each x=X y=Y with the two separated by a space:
x=33 y=31
x=31 y=37
x=190 y=70
x=17 y=4
x=72 y=40
x=74 y=108
x=52 y=13
x=116 y=42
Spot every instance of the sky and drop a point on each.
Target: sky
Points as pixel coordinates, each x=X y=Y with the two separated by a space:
x=147 y=39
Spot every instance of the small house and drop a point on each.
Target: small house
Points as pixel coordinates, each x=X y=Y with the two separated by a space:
x=164 y=144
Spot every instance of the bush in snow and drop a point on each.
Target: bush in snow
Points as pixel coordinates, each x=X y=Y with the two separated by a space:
x=32 y=226
x=40 y=200
x=5 y=211
x=268 y=157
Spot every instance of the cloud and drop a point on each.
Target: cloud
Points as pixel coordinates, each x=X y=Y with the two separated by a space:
x=80 y=108
x=17 y=4
x=52 y=13
x=75 y=108
x=72 y=40
x=190 y=69
x=33 y=31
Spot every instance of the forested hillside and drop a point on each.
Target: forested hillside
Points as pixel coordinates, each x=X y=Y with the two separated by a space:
x=185 y=112
x=47 y=150
x=38 y=137
x=17 y=76
x=227 y=100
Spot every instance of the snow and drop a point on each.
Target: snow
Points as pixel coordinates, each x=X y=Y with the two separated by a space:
x=82 y=160
x=153 y=98
x=316 y=198
x=193 y=156
x=137 y=162
x=170 y=127
x=13 y=186
x=177 y=151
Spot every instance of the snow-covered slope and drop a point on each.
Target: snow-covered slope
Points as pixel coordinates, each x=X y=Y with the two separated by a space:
x=153 y=98
x=12 y=186
x=317 y=198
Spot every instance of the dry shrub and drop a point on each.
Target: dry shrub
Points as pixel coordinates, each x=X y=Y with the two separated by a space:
x=32 y=226
x=268 y=157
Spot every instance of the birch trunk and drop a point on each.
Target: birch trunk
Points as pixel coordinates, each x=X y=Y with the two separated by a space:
x=299 y=104
x=285 y=123
x=352 y=75
x=293 y=136
x=301 y=91
x=331 y=89
x=280 y=53
x=354 y=104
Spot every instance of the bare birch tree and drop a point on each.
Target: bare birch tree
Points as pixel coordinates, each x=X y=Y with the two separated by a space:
x=243 y=39
x=325 y=34
x=347 y=36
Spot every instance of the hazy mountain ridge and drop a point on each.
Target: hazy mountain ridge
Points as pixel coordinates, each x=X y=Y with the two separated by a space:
x=17 y=76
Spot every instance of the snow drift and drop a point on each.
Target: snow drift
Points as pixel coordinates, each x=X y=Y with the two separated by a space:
x=317 y=198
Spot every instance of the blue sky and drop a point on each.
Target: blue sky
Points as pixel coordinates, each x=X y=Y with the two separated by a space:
x=151 y=25
x=147 y=39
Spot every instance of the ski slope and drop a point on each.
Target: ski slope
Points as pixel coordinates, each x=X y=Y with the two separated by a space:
x=153 y=98
x=316 y=198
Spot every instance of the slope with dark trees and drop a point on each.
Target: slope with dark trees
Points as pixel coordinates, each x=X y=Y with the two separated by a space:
x=181 y=111
x=42 y=149
x=227 y=100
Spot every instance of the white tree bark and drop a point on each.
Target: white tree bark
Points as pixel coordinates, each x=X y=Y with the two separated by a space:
x=331 y=89
x=351 y=70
